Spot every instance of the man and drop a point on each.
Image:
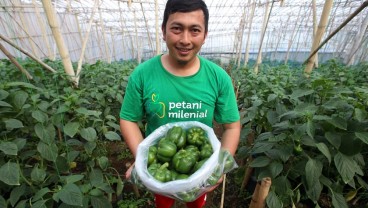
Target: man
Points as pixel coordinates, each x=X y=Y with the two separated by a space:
x=180 y=86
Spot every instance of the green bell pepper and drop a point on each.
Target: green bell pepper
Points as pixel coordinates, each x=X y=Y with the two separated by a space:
x=177 y=176
x=184 y=161
x=177 y=135
x=199 y=165
x=206 y=151
x=152 y=151
x=195 y=151
x=166 y=150
x=196 y=136
x=160 y=172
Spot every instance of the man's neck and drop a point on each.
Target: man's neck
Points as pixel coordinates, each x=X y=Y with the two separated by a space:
x=180 y=68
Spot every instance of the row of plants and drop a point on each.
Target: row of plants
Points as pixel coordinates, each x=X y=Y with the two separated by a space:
x=54 y=138
x=311 y=134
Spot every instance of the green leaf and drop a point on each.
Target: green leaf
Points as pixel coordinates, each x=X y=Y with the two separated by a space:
x=39 y=116
x=301 y=92
x=338 y=200
x=100 y=202
x=5 y=104
x=325 y=151
x=3 y=202
x=273 y=200
x=40 y=204
x=360 y=114
x=48 y=151
x=334 y=139
x=20 y=98
x=103 y=162
x=261 y=147
x=9 y=148
x=314 y=192
x=12 y=123
x=345 y=166
x=71 y=128
x=96 y=177
x=38 y=174
x=260 y=161
x=313 y=170
x=40 y=193
x=23 y=84
x=362 y=136
x=45 y=133
x=73 y=178
x=89 y=134
x=276 y=168
x=338 y=122
x=89 y=147
x=70 y=194
x=112 y=136
x=119 y=186
x=9 y=173
x=62 y=164
x=310 y=128
x=16 y=193
x=3 y=94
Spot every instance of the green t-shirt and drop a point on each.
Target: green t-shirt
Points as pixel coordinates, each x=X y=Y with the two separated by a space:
x=161 y=97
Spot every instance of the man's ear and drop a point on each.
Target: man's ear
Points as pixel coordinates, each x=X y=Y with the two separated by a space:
x=163 y=33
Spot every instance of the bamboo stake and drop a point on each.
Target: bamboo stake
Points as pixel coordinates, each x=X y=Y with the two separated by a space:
x=104 y=37
x=264 y=27
x=80 y=34
x=158 y=48
x=148 y=32
x=246 y=55
x=136 y=37
x=27 y=53
x=223 y=191
x=315 y=27
x=242 y=28
x=54 y=25
x=113 y=45
x=122 y=28
x=50 y=55
x=291 y=40
x=26 y=30
x=98 y=40
x=358 y=41
x=84 y=43
x=260 y=193
x=14 y=61
x=280 y=35
x=356 y=12
x=321 y=30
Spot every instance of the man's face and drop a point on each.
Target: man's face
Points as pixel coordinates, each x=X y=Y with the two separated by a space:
x=184 y=35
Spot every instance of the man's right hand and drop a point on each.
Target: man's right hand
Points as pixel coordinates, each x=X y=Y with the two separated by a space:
x=128 y=173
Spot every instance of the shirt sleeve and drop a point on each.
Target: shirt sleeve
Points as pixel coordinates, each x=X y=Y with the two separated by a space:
x=226 y=110
x=132 y=107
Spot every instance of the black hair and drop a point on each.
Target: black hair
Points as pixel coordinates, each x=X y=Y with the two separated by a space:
x=173 y=6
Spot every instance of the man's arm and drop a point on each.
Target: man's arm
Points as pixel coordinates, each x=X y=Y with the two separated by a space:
x=231 y=136
x=131 y=134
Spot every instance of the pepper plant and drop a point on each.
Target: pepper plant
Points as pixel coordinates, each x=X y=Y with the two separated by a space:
x=310 y=134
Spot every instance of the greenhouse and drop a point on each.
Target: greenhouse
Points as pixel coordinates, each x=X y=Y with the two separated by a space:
x=298 y=72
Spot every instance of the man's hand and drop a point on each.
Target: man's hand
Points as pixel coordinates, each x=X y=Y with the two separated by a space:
x=217 y=184
x=128 y=173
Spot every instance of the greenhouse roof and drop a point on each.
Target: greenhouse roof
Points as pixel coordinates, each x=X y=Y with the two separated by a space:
x=289 y=25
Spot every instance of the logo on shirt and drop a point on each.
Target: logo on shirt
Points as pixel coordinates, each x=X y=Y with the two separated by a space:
x=181 y=109
x=157 y=106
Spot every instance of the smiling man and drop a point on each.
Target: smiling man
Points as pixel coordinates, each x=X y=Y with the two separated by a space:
x=180 y=86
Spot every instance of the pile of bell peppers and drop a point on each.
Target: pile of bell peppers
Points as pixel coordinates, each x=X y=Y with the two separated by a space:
x=178 y=154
